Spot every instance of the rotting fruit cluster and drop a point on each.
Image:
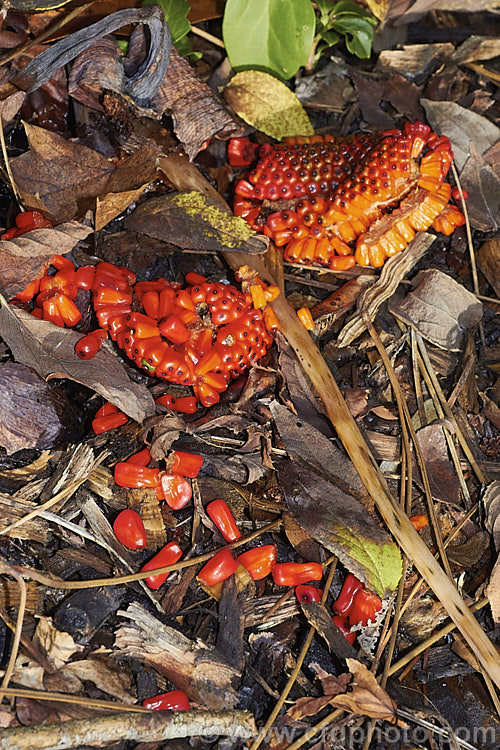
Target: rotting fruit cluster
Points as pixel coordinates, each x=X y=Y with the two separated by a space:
x=200 y=335
x=341 y=201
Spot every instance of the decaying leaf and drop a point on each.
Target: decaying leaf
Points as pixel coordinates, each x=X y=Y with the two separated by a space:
x=379 y=8
x=57 y=646
x=142 y=85
x=192 y=220
x=366 y=696
x=440 y=471
x=62 y=179
x=267 y=104
x=483 y=187
x=197 y=113
x=488 y=261
x=50 y=351
x=440 y=309
x=342 y=525
x=22 y=259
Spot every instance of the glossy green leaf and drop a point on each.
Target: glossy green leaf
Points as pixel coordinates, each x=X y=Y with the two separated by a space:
x=176 y=12
x=274 y=36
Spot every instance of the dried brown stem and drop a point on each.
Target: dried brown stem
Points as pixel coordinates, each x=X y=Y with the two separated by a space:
x=156 y=726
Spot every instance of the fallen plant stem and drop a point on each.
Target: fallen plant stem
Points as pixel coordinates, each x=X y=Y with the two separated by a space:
x=59 y=583
x=156 y=727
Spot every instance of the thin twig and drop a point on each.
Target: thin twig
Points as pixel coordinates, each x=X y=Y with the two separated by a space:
x=18 y=631
x=209 y=37
x=59 y=583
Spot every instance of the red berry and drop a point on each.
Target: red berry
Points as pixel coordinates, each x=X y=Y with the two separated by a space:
x=129 y=529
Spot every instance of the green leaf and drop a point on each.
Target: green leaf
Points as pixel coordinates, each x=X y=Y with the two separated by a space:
x=358 y=32
x=274 y=36
x=176 y=16
x=360 y=44
x=346 y=6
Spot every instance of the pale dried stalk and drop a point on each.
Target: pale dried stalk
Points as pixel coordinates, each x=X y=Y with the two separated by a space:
x=155 y=727
x=348 y=431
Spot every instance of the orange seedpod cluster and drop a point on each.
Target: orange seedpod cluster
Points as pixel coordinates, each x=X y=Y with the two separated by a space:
x=201 y=335
x=355 y=200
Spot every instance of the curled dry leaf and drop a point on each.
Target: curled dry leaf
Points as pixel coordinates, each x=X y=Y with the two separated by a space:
x=22 y=259
x=141 y=86
x=50 y=351
x=197 y=114
x=267 y=104
x=366 y=697
x=440 y=309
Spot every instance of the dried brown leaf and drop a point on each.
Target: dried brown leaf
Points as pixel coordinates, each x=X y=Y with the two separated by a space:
x=442 y=476
x=488 y=261
x=483 y=186
x=367 y=697
x=62 y=178
x=462 y=127
x=22 y=259
x=56 y=645
x=197 y=113
x=440 y=309
x=50 y=351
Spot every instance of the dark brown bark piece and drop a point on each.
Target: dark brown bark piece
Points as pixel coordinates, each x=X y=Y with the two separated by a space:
x=33 y=414
x=190 y=665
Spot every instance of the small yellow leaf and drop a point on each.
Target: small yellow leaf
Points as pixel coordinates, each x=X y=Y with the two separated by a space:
x=379 y=8
x=267 y=104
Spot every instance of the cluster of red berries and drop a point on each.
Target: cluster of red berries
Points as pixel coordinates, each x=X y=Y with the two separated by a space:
x=361 y=199
x=201 y=335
